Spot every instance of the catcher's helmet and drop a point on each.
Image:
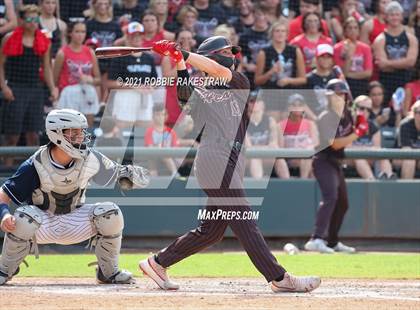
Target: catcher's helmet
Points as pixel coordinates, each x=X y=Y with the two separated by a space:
x=216 y=43
x=336 y=86
x=59 y=120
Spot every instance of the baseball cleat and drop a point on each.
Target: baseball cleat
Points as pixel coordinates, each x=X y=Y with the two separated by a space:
x=318 y=245
x=4 y=277
x=340 y=247
x=121 y=277
x=157 y=273
x=291 y=283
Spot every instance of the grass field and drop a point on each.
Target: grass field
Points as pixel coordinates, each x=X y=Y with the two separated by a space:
x=364 y=265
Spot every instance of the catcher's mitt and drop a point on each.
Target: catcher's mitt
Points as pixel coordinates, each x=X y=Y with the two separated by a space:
x=130 y=177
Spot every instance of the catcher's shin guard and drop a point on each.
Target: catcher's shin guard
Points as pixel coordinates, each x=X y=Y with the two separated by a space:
x=17 y=245
x=109 y=222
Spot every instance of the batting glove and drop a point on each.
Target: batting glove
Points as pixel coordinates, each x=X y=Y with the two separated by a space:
x=168 y=48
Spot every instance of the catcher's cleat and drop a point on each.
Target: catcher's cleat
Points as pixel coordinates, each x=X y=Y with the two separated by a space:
x=121 y=277
x=291 y=283
x=157 y=273
x=4 y=277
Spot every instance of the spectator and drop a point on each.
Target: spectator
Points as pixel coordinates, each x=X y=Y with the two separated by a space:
x=246 y=16
x=347 y=8
x=55 y=29
x=105 y=30
x=296 y=26
x=410 y=139
x=107 y=134
x=298 y=132
x=160 y=8
x=132 y=106
x=252 y=41
x=76 y=72
x=280 y=65
x=8 y=19
x=395 y=51
x=232 y=15
x=262 y=133
x=174 y=6
x=319 y=77
x=23 y=52
x=74 y=9
x=153 y=32
x=414 y=21
x=273 y=10
x=185 y=39
x=414 y=24
x=371 y=140
x=355 y=58
x=380 y=113
x=187 y=17
x=310 y=39
x=376 y=25
x=210 y=15
x=412 y=92
x=127 y=11
x=102 y=26
x=159 y=135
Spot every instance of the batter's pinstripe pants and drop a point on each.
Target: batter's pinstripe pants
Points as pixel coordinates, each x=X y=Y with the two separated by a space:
x=220 y=174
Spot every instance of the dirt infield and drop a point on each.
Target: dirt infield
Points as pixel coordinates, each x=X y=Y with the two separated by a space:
x=205 y=293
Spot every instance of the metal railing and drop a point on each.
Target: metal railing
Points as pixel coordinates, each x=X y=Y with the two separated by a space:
x=180 y=152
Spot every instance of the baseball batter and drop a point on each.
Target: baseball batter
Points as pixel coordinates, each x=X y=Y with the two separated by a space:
x=49 y=189
x=219 y=166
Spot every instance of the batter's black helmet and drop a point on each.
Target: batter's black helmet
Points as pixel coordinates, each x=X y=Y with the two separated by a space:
x=216 y=43
x=336 y=86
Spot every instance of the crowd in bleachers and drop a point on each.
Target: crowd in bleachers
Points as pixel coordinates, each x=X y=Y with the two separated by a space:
x=289 y=53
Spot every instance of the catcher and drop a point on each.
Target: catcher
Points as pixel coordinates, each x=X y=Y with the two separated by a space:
x=49 y=189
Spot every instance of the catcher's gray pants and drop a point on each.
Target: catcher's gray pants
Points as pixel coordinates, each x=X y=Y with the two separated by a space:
x=211 y=171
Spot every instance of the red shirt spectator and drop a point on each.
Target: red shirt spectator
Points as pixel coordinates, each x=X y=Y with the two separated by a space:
x=295 y=28
x=308 y=48
x=162 y=138
x=75 y=63
x=355 y=58
x=412 y=94
x=377 y=28
x=362 y=57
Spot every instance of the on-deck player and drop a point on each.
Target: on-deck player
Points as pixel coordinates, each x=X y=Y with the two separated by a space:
x=219 y=166
x=49 y=189
x=327 y=167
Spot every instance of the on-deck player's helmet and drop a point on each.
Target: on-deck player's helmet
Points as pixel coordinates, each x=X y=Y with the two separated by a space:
x=336 y=86
x=59 y=120
x=212 y=45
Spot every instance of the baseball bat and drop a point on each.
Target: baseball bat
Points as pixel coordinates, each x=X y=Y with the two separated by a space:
x=118 y=51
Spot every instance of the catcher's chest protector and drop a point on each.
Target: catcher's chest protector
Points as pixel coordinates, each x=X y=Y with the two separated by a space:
x=61 y=190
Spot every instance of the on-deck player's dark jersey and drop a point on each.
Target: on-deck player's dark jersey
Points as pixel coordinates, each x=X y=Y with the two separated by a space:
x=328 y=130
x=25 y=181
x=220 y=110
